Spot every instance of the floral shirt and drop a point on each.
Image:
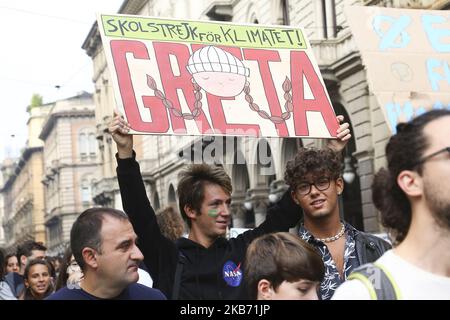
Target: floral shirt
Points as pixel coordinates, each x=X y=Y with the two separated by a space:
x=332 y=278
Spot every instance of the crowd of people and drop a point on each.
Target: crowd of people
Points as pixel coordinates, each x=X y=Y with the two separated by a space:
x=192 y=259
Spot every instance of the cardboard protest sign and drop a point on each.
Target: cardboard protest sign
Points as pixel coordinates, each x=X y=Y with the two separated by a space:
x=406 y=53
x=210 y=78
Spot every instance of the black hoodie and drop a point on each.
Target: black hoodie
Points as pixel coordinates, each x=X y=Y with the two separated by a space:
x=208 y=273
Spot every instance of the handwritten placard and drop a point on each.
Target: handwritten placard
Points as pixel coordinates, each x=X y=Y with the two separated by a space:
x=208 y=78
x=407 y=55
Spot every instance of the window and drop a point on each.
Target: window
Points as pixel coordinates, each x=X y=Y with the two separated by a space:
x=280 y=12
x=83 y=146
x=329 y=26
x=87 y=144
x=86 y=191
x=92 y=146
x=54 y=231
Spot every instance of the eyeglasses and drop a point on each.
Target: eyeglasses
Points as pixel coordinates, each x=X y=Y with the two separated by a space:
x=428 y=157
x=321 y=184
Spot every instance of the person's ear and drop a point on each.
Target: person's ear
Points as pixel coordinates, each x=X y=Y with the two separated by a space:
x=90 y=257
x=293 y=196
x=190 y=213
x=23 y=260
x=265 y=290
x=410 y=182
x=339 y=185
x=26 y=283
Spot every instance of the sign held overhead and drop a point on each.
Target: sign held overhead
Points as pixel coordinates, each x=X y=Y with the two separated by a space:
x=208 y=78
x=407 y=55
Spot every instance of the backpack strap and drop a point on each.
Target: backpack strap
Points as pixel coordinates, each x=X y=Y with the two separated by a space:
x=177 y=280
x=378 y=281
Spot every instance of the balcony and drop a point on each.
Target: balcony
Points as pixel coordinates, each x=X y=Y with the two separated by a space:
x=329 y=51
x=220 y=10
x=23 y=203
x=103 y=191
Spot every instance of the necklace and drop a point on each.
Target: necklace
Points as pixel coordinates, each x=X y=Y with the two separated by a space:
x=335 y=237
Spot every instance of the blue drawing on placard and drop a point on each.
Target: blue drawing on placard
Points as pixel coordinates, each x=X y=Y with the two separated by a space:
x=394 y=37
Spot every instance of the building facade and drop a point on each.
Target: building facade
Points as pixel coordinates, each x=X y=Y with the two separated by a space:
x=51 y=183
x=5 y=171
x=22 y=191
x=257 y=165
x=70 y=162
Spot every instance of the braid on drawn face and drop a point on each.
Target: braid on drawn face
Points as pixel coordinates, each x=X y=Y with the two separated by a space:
x=169 y=105
x=198 y=99
x=287 y=86
x=288 y=105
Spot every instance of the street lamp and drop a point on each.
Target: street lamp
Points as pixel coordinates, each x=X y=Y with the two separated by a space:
x=349 y=174
x=277 y=188
x=248 y=202
x=273 y=197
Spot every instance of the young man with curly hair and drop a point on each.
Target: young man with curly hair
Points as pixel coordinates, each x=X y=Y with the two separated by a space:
x=314 y=176
x=412 y=195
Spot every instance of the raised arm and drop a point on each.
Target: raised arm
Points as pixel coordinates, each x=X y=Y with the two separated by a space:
x=119 y=130
x=343 y=136
x=160 y=254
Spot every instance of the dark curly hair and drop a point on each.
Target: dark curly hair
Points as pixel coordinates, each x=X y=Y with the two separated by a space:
x=170 y=223
x=403 y=152
x=317 y=162
x=27 y=294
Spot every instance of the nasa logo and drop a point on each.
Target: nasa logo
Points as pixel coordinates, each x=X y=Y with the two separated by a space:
x=232 y=274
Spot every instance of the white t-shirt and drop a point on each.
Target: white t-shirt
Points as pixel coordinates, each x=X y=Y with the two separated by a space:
x=144 y=278
x=5 y=291
x=413 y=282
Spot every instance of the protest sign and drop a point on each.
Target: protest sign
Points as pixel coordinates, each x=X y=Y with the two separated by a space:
x=210 y=78
x=406 y=53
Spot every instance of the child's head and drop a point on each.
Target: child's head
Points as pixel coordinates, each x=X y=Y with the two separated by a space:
x=282 y=266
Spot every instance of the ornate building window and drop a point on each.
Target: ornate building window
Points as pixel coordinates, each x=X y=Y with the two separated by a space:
x=54 y=233
x=87 y=144
x=86 y=191
x=92 y=146
x=280 y=12
x=329 y=26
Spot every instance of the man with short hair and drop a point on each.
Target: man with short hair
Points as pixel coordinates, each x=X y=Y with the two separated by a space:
x=314 y=176
x=205 y=265
x=27 y=251
x=103 y=243
x=412 y=195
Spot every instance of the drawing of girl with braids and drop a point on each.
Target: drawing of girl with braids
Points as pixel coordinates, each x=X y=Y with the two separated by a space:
x=220 y=73
x=217 y=71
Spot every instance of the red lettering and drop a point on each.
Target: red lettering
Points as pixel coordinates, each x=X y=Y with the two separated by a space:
x=263 y=57
x=301 y=65
x=215 y=107
x=160 y=123
x=171 y=83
